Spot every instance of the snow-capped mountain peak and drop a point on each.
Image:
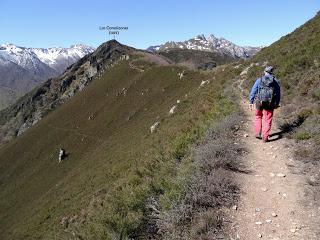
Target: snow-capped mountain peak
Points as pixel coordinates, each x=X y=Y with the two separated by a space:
x=24 y=57
x=210 y=44
x=21 y=68
x=59 y=57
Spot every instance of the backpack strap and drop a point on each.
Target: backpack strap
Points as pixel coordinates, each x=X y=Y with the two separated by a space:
x=259 y=86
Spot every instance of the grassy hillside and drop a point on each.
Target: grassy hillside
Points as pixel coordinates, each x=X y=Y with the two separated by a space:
x=113 y=165
x=30 y=108
x=296 y=58
x=121 y=181
x=197 y=59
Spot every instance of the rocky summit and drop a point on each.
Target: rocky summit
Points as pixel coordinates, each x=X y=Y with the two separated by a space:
x=209 y=44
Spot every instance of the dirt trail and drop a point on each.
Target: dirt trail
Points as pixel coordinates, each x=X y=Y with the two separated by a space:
x=270 y=206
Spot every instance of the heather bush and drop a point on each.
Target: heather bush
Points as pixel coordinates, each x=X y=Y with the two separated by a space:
x=196 y=214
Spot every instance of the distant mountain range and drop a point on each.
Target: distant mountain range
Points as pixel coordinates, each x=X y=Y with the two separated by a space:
x=22 y=69
x=209 y=44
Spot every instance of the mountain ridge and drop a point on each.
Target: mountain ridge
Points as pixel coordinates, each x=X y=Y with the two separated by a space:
x=29 y=109
x=32 y=107
x=22 y=69
x=209 y=44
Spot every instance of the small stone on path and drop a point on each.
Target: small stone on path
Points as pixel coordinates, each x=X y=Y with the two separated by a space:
x=281 y=175
x=260 y=236
x=293 y=230
x=235 y=207
x=259 y=223
x=273 y=214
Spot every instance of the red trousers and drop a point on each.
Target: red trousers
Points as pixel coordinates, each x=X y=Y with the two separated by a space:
x=267 y=117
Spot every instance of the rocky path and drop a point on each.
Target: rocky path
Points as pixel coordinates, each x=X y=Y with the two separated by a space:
x=272 y=200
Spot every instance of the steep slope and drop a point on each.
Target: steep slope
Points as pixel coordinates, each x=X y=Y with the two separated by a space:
x=279 y=194
x=280 y=182
x=296 y=60
x=29 y=109
x=22 y=69
x=210 y=44
x=285 y=173
x=114 y=163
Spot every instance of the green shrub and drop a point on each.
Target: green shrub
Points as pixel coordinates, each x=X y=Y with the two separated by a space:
x=305 y=113
x=302 y=136
x=189 y=205
x=316 y=95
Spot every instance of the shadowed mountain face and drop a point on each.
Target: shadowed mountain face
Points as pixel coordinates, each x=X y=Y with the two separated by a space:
x=22 y=69
x=29 y=109
x=14 y=81
x=17 y=78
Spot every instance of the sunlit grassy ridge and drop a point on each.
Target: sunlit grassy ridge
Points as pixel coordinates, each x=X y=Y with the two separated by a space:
x=297 y=63
x=296 y=58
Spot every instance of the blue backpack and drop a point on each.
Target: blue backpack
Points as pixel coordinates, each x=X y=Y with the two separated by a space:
x=266 y=89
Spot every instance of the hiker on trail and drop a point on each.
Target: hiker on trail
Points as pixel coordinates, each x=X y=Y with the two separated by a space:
x=62 y=154
x=266 y=94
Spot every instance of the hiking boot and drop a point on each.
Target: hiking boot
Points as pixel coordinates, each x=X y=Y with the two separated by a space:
x=258 y=137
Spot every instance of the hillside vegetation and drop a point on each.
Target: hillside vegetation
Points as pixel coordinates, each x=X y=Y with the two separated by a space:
x=297 y=62
x=196 y=59
x=114 y=163
x=296 y=58
x=122 y=179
